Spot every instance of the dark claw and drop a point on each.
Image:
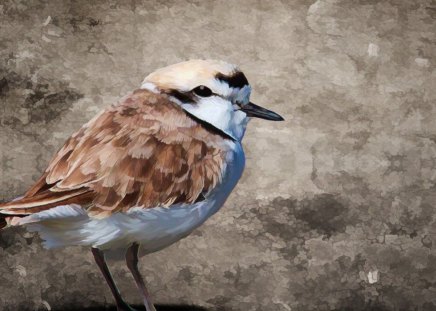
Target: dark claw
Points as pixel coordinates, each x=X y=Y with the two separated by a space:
x=123 y=306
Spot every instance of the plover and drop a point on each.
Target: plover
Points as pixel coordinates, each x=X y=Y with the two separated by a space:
x=146 y=171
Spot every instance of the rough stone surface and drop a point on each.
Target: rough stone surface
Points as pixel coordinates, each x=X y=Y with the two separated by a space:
x=336 y=208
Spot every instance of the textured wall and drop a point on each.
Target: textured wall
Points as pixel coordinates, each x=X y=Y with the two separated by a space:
x=336 y=209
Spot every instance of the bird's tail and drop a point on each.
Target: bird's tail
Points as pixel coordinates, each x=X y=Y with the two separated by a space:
x=6 y=215
x=11 y=212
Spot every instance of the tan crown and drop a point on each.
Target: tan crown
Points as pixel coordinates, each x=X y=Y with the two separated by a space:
x=187 y=75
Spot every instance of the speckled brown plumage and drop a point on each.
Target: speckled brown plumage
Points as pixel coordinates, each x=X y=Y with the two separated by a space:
x=145 y=151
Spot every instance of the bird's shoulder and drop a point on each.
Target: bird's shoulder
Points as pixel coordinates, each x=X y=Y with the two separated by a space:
x=144 y=151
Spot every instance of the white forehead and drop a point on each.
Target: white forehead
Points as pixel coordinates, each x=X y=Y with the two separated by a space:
x=241 y=95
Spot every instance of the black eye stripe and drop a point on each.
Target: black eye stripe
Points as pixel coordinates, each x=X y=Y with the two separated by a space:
x=184 y=97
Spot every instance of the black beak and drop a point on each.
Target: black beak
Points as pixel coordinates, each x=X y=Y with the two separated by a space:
x=256 y=111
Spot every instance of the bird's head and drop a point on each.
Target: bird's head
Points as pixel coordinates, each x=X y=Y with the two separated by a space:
x=212 y=91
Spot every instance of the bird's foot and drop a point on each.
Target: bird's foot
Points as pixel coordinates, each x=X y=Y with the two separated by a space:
x=126 y=308
x=149 y=306
x=123 y=306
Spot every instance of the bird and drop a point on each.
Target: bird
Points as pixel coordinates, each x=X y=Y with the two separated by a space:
x=147 y=170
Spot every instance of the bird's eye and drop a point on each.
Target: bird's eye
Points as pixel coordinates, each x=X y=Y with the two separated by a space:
x=202 y=91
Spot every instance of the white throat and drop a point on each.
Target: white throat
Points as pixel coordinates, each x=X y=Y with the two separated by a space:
x=220 y=114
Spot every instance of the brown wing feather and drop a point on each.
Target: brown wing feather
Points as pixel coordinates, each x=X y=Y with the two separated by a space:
x=45 y=200
x=145 y=152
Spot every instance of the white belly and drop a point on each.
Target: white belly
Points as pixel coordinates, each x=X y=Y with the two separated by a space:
x=155 y=228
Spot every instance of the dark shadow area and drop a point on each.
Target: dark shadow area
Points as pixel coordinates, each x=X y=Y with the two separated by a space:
x=138 y=308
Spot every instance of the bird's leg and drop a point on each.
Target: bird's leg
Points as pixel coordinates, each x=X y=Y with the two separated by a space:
x=132 y=264
x=101 y=262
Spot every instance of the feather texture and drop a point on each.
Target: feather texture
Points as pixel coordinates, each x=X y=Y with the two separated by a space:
x=143 y=152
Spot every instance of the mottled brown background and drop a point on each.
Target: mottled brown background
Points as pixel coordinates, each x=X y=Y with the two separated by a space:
x=336 y=208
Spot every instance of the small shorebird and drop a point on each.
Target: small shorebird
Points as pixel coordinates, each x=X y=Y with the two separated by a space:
x=146 y=171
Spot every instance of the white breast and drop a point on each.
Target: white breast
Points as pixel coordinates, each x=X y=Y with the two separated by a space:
x=155 y=228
